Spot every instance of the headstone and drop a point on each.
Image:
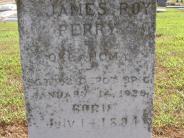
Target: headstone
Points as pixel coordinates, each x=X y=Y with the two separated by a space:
x=161 y=3
x=88 y=67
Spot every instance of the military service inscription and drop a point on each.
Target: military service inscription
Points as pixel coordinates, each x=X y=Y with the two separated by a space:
x=88 y=67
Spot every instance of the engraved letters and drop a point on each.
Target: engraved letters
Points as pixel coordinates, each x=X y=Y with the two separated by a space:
x=91 y=9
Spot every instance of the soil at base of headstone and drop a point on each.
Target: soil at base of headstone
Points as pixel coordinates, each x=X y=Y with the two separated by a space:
x=168 y=132
x=16 y=130
x=19 y=130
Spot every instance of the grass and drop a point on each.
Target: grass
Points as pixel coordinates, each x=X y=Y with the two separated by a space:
x=11 y=90
x=169 y=83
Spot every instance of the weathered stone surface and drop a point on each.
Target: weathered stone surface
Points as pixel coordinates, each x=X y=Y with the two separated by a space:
x=88 y=67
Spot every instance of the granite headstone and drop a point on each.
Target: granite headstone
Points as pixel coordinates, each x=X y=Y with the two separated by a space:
x=88 y=67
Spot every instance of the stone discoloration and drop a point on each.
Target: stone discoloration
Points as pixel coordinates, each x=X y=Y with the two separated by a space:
x=88 y=67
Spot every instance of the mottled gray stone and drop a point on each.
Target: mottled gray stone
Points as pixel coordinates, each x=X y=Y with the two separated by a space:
x=88 y=67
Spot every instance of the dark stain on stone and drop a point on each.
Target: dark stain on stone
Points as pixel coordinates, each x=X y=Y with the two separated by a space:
x=147 y=119
x=29 y=113
x=51 y=122
x=91 y=52
x=62 y=55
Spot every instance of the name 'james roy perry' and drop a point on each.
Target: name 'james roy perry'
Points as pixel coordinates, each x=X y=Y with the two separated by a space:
x=101 y=9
